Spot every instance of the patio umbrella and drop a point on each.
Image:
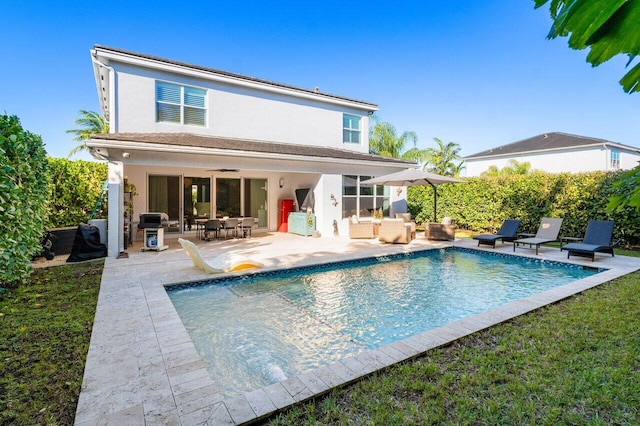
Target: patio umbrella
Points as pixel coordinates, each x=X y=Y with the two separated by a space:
x=411 y=177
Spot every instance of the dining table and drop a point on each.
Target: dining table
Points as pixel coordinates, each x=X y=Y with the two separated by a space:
x=200 y=225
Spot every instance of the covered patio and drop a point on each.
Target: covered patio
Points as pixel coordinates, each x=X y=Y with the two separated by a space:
x=142 y=367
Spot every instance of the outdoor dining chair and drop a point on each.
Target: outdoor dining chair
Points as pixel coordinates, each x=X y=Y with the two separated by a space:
x=212 y=225
x=230 y=225
x=246 y=226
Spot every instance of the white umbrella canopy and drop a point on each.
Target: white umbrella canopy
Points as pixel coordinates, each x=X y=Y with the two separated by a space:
x=411 y=177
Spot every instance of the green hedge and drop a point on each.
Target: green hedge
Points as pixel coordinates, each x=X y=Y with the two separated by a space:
x=482 y=203
x=23 y=198
x=76 y=186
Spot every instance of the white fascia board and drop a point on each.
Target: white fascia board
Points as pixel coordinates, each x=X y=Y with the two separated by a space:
x=536 y=151
x=623 y=147
x=180 y=149
x=238 y=81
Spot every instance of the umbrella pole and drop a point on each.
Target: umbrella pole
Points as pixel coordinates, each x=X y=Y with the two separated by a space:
x=435 y=202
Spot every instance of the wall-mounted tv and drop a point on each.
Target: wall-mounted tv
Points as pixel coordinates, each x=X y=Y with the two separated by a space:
x=304 y=199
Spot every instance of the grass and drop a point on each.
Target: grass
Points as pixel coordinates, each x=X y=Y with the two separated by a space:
x=575 y=362
x=45 y=328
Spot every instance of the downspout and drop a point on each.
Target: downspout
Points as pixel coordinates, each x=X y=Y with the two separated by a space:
x=115 y=219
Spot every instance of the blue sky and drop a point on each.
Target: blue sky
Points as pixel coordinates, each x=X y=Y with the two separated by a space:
x=480 y=73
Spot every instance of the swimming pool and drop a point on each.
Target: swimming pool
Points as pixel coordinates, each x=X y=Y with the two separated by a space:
x=257 y=330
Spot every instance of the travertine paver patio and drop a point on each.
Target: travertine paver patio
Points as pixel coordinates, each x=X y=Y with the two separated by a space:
x=142 y=367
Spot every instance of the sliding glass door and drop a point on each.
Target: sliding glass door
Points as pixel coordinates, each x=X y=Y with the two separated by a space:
x=255 y=200
x=187 y=199
x=197 y=199
x=227 y=197
x=164 y=197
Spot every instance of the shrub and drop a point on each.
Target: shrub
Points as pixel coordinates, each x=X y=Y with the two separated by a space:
x=23 y=198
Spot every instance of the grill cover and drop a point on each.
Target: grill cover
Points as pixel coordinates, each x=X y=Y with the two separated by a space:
x=87 y=245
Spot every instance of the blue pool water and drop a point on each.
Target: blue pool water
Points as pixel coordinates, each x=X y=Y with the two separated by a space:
x=255 y=331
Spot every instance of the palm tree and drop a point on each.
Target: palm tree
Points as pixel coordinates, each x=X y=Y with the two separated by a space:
x=517 y=168
x=513 y=167
x=457 y=169
x=384 y=141
x=492 y=171
x=441 y=160
x=90 y=122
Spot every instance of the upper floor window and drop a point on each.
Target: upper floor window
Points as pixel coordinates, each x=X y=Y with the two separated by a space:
x=350 y=128
x=180 y=104
x=615 y=159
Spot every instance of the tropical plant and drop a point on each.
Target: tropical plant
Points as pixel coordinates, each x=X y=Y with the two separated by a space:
x=629 y=187
x=89 y=123
x=441 y=160
x=607 y=27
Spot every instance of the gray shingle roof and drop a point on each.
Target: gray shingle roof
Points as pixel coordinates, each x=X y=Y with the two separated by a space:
x=234 y=75
x=544 y=142
x=258 y=147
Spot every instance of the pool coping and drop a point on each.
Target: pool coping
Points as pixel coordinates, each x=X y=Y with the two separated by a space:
x=142 y=367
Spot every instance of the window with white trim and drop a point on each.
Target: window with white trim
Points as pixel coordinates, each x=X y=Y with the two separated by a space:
x=180 y=104
x=350 y=128
x=363 y=200
x=615 y=159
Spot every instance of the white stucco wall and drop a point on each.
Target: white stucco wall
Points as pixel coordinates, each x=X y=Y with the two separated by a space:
x=629 y=159
x=235 y=112
x=572 y=161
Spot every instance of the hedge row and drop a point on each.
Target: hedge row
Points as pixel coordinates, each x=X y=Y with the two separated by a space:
x=23 y=198
x=38 y=193
x=481 y=204
x=76 y=188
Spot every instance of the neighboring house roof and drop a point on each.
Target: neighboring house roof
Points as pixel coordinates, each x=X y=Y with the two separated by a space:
x=546 y=142
x=183 y=140
x=217 y=72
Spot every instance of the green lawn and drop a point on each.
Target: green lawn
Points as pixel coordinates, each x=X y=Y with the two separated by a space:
x=45 y=328
x=575 y=362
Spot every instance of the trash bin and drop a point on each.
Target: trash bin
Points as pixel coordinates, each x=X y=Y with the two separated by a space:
x=101 y=224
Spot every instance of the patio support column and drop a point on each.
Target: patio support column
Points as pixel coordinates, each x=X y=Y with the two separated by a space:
x=115 y=237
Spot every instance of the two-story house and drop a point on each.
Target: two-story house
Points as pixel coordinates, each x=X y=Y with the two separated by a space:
x=201 y=143
x=556 y=153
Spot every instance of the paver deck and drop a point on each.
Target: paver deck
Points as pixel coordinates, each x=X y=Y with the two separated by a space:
x=143 y=369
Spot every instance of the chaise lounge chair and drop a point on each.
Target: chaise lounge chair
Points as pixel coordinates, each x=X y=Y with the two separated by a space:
x=547 y=233
x=220 y=264
x=507 y=232
x=597 y=238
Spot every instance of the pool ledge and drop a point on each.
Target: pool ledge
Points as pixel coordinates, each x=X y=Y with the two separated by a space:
x=142 y=367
